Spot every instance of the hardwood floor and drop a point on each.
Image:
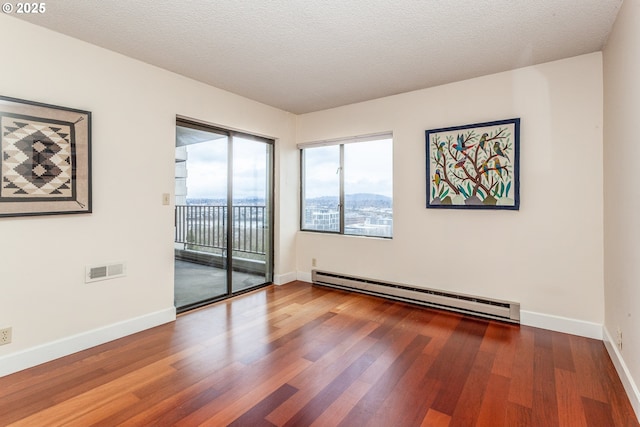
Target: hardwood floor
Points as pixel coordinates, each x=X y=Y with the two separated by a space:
x=298 y=355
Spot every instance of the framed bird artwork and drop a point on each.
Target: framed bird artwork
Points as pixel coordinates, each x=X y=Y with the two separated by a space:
x=474 y=166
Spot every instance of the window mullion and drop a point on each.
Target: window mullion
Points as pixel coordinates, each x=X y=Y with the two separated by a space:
x=303 y=178
x=341 y=206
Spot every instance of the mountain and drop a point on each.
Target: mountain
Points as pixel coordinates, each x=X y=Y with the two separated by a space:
x=353 y=200
x=360 y=197
x=247 y=201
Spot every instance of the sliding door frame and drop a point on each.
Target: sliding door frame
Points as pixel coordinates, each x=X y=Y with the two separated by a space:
x=269 y=209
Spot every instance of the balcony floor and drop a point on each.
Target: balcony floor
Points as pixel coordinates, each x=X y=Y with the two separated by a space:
x=196 y=282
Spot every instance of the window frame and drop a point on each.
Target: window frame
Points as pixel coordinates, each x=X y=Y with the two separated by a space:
x=341 y=169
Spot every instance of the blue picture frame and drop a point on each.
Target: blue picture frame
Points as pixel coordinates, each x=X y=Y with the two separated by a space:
x=475 y=166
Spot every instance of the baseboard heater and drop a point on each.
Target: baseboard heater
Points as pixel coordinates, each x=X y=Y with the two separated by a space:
x=477 y=306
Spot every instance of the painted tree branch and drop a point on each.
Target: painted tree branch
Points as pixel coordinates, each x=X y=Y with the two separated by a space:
x=443 y=164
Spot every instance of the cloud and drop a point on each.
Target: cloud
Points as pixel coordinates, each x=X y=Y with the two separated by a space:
x=368 y=168
x=207 y=169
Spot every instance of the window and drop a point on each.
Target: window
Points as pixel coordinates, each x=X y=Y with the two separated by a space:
x=347 y=186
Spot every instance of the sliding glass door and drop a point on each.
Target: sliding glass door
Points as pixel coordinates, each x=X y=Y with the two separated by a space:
x=223 y=213
x=251 y=232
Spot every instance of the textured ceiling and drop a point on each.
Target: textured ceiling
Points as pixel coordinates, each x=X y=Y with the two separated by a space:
x=309 y=55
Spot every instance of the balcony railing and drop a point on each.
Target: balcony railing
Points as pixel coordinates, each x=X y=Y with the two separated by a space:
x=205 y=227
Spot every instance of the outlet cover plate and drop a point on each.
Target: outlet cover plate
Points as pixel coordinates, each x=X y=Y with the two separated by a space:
x=5 y=336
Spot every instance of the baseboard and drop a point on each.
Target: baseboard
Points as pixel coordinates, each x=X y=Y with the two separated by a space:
x=623 y=372
x=538 y=320
x=304 y=276
x=46 y=352
x=281 y=279
x=561 y=324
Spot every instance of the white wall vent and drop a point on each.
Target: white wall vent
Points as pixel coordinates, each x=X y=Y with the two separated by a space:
x=477 y=306
x=104 y=272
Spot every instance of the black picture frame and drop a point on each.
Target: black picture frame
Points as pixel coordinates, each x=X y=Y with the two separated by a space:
x=45 y=159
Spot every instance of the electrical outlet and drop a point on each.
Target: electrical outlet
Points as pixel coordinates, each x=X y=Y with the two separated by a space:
x=619 y=339
x=5 y=336
x=313 y=262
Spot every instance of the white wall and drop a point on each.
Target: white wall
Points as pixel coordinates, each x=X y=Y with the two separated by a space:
x=622 y=193
x=42 y=259
x=548 y=255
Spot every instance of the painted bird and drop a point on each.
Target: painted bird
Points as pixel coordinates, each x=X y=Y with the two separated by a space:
x=498 y=150
x=460 y=146
x=496 y=162
x=440 y=151
x=483 y=140
x=436 y=178
x=460 y=163
x=485 y=167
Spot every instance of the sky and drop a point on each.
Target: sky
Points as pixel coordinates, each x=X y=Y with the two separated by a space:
x=207 y=169
x=368 y=169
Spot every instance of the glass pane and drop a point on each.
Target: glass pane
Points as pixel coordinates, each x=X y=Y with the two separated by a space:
x=368 y=188
x=251 y=211
x=321 y=197
x=200 y=216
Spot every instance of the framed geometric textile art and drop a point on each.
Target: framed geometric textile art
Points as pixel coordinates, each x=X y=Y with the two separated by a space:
x=45 y=152
x=474 y=166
